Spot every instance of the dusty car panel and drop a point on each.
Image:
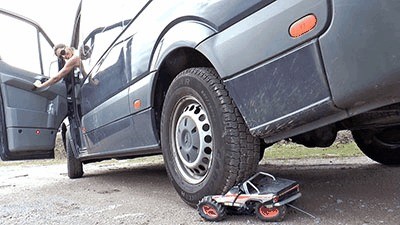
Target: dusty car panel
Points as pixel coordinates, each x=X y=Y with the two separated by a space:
x=305 y=89
x=268 y=25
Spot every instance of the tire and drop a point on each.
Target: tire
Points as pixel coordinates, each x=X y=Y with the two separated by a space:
x=74 y=165
x=210 y=210
x=274 y=214
x=382 y=145
x=206 y=145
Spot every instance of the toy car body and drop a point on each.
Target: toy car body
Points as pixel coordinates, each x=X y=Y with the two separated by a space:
x=263 y=193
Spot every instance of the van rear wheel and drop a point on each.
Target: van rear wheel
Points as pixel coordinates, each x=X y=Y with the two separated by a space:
x=380 y=145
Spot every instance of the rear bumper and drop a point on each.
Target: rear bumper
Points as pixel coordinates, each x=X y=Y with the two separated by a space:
x=361 y=54
x=288 y=200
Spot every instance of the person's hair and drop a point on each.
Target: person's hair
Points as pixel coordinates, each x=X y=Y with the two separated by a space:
x=58 y=47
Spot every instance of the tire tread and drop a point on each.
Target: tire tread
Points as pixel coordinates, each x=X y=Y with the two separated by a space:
x=243 y=163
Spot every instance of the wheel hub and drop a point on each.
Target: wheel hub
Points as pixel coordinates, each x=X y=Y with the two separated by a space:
x=189 y=140
x=193 y=140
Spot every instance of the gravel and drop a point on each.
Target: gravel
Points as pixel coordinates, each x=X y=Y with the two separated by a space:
x=335 y=191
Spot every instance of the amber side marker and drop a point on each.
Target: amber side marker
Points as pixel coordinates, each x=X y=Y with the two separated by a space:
x=137 y=104
x=303 y=25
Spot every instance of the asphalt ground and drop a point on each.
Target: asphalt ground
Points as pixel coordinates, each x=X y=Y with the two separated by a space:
x=334 y=191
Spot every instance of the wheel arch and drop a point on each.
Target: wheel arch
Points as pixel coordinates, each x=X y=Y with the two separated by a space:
x=176 y=51
x=187 y=33
x=175 y=62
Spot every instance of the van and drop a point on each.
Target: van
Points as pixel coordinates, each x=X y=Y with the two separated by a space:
x=209 y=84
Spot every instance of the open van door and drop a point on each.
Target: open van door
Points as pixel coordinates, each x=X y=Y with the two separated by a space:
x=29 y=117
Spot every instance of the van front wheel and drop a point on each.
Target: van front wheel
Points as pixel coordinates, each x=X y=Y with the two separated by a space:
x=206 y=145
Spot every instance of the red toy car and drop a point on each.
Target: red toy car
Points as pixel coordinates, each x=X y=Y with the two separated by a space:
x=262 y=194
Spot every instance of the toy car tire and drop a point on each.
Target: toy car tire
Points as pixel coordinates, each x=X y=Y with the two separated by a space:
x=210 y=210
x=267 y=214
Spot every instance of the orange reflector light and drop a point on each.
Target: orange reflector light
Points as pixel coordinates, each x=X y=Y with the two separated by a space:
x=137 y=104
x=37 y=132
x=303 y=26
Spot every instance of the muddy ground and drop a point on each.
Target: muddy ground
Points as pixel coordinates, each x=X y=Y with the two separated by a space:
x=335 y=191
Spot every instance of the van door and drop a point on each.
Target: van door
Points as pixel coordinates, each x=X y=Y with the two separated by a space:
x=29 y=117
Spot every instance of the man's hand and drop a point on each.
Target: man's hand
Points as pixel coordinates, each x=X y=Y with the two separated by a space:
x=93 y=81
x=38 y=84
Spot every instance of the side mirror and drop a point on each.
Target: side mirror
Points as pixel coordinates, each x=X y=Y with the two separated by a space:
x=85 y=52
x=53 y=68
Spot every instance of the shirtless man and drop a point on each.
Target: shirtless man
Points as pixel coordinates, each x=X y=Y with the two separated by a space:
x=72 y=61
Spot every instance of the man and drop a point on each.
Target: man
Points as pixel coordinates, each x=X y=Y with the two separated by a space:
x=72 y=61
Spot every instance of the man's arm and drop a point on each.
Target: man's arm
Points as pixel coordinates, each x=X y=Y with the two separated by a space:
x=68 y=67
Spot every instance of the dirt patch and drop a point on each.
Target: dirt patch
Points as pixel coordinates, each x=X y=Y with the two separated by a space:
x=344 y=137
x=59 y=150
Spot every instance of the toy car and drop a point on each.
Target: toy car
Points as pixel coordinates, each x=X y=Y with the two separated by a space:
x=262 y=194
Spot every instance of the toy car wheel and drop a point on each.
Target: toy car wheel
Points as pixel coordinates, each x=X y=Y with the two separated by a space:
x=383 y=146
x=206 y=145
x=270 y=214
x=210 y=210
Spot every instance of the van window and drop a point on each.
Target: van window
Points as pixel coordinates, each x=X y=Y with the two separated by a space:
x=31 y=50
x=100 y=26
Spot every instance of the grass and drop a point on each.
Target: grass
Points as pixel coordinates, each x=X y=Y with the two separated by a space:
x=344 y=146
x=280 y=150
x=296 y=151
